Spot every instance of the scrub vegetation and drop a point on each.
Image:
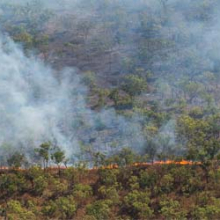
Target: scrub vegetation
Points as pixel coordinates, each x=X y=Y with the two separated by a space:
x=104 y=88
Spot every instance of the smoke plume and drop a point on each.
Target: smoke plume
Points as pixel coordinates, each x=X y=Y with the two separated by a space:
x=36 y=107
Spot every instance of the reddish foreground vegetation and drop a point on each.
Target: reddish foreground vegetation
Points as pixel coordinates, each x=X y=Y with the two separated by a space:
x=169 y=190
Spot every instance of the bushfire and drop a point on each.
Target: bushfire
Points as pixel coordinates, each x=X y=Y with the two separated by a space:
x=115 y=166
x=142 y=164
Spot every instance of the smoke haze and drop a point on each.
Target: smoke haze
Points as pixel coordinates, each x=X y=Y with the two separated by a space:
x=36 y=107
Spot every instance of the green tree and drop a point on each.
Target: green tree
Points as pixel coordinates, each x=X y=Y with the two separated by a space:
x=151 y=149
x=137 y=204
x=16 y=160
x=167 y=183
x=66 y=207
x=200 y=137
x=100 y=209
x=171 y=209
x=134 y=85
x=82 y=192
x=25 y=38
x=134 y=183
x=16 y=211
x=126 y=157
x=10 y=184
x=57 y=186
x=108 y=177
x=58 y=157
x=193 y=90
x=110 y=193
x=99 y=159
x=43 y=152
x=61 y=208
x=40 y=184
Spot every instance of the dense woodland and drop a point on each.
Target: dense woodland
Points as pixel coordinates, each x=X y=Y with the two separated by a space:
x=155 y=61
x=153 y=192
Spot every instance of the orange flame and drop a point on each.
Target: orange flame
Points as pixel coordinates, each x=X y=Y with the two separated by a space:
x=115 y=166
x=139 y=164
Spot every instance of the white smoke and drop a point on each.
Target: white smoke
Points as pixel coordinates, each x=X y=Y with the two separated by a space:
x=36 y=107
